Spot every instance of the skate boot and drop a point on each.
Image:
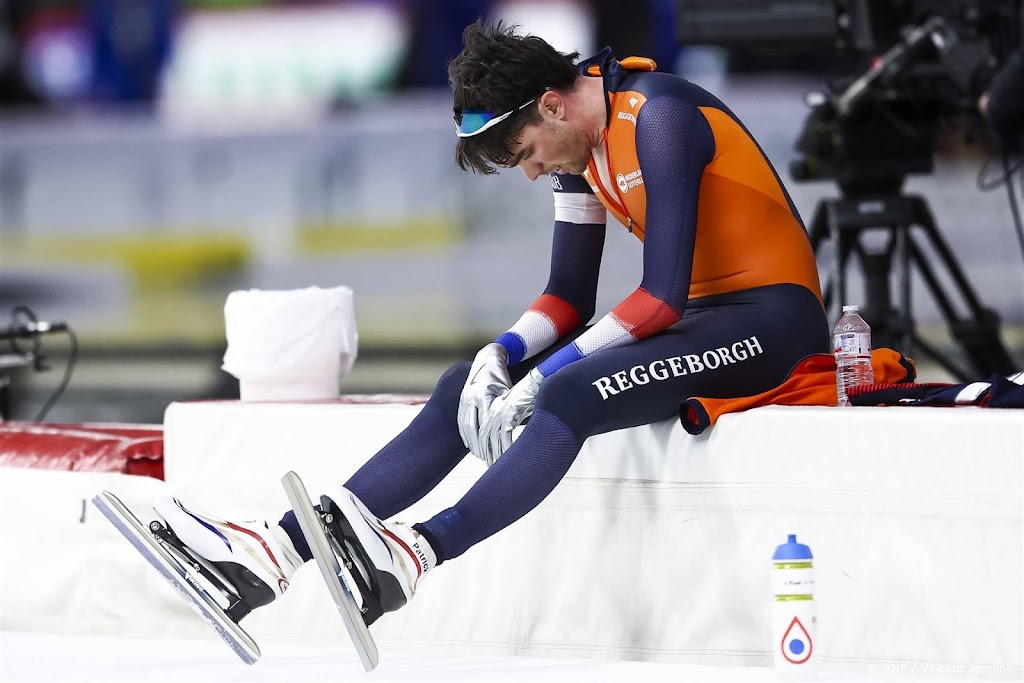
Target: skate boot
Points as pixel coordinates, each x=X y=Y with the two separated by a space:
x=248 y=563
x=386 y=560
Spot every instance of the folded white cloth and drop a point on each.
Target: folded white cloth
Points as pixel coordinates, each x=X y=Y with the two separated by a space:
x=291 y=344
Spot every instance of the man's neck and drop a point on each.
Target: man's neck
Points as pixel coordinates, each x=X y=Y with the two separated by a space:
x=593 y=107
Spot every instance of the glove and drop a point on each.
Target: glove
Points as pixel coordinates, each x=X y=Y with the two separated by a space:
x=488 y=378
x=508 y=411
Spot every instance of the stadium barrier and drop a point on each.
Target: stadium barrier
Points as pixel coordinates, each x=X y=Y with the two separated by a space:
x=656 y=546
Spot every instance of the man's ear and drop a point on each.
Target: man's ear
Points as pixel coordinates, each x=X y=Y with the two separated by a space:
x=552 y=105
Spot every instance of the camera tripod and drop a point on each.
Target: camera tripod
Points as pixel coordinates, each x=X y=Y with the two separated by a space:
x=845 y=220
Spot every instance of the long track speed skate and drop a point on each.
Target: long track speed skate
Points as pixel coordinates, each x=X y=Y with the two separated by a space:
x=332 y=554
x=169 y=556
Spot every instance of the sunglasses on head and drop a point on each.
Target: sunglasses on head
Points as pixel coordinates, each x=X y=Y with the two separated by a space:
x=476 y=121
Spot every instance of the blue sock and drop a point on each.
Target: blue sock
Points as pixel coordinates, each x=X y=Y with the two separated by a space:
x=291 y=527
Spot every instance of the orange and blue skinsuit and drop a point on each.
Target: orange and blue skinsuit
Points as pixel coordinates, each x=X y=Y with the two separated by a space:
x=680 y=171
x=728 y=304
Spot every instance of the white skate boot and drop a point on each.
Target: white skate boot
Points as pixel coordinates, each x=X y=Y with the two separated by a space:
x=222 y=569
x=249 y=562
x=391 y=557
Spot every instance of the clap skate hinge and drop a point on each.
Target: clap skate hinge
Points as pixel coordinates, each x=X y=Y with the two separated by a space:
x=238 y=606
x=335 y=524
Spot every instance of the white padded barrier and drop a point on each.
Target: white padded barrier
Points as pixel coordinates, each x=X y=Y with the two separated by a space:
x=656 y=546
x=62 y=570
x=657 y=543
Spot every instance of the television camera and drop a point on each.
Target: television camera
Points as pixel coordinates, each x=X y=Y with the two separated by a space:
x=906 y=67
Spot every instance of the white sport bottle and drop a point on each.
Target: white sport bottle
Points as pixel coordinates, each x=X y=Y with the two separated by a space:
x=794 y=620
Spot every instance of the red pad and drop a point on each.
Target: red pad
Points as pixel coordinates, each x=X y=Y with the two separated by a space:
x=559 y=311
x=644 y=314
x=126 y=449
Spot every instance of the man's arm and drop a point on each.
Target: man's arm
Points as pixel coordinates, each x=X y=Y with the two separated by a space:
x=674 y=143
x=569 y=299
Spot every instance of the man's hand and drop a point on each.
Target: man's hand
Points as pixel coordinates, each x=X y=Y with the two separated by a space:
x=508 y=412
x=488 y=379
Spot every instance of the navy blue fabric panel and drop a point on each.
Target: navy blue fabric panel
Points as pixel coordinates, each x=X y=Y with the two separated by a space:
x=576 y=251
x=674 y=143
x=732 y=345
x=568 y=182
x=1005 y=394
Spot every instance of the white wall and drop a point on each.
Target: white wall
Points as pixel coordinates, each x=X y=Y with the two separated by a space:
x=655 y=547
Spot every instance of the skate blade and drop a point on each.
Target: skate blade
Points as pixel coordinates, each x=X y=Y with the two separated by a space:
x=172 y=570
x=330 y=567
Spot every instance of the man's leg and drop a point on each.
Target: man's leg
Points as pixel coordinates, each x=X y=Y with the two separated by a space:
x=412 y=463
x=417 y=459
x=743 y=347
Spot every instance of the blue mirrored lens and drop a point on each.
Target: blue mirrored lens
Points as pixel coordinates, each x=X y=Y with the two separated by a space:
x=472 y=121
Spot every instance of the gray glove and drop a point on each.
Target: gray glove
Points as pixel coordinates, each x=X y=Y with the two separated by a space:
x=508 y=412
x=488 y=379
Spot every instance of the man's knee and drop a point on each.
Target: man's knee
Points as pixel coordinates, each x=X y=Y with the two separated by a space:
x=567 y=394
x=449 y=386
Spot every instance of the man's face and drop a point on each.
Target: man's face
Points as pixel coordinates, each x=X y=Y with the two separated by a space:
x=551 y=146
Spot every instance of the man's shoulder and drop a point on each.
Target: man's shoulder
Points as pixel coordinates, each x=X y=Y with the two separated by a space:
x=658 y=84
x=644 y=94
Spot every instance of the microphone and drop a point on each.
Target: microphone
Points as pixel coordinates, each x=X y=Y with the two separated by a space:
x=32 y=329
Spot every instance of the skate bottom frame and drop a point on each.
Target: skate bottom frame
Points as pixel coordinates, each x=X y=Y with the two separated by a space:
x=177 y=575
x=312 y=527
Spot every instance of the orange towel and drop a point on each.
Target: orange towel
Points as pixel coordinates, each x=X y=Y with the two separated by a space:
x=812 y=382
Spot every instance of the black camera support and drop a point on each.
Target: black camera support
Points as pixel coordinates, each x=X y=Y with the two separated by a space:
x=905 y=220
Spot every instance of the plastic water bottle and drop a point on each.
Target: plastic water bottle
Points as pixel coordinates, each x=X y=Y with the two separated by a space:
x=851 y=344
x=794 y=618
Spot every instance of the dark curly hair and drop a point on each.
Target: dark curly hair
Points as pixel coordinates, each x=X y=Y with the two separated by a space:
x=497 y=71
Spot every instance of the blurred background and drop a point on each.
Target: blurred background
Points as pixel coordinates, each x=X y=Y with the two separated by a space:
x=156 y=155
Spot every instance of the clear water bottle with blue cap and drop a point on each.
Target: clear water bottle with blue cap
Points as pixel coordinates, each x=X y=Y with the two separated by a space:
x=794 y=618
x=851 y=344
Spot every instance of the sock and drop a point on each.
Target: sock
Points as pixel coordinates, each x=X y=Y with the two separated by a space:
x=297 y=541
x=291 y=554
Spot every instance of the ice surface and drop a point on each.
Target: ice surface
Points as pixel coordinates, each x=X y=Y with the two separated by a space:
x=51 y=658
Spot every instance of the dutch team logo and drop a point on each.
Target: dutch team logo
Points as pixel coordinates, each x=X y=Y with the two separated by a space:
x=796 y=643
